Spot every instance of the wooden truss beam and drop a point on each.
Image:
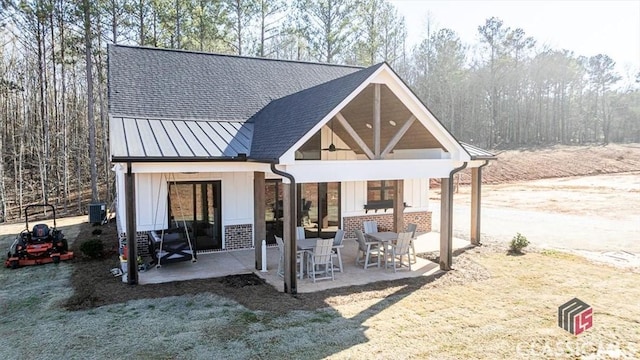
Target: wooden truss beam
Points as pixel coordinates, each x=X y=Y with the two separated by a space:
x=396 y=138
x=355 y=136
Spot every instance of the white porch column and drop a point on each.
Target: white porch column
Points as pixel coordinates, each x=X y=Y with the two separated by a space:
x=446 y=206
x=476 y=187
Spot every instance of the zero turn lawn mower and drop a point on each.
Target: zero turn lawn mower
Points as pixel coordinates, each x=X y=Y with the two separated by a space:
x=41 y=245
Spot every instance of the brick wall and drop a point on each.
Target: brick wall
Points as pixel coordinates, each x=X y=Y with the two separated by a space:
x=142 y=240
x=385 y=222
x=238 y=236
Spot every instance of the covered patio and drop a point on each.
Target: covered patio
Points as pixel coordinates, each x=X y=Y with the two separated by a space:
x=237 y=262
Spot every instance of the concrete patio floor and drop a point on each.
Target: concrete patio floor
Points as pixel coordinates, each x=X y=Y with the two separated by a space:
x=225 y=263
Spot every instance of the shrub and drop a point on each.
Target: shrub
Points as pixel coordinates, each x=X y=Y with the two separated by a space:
x=93 y=248
x=518 y=243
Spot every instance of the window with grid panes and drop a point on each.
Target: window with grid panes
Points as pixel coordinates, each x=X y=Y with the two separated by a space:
x=380 y=190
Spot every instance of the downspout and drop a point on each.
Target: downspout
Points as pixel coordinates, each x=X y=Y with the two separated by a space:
x=292 y=252
x=450 y=211
x=486 y=162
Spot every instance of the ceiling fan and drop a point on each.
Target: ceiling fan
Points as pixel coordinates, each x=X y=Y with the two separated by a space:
x=332 y=147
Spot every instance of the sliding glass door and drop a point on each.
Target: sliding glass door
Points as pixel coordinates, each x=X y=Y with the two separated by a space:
x=197 y=204
x=273 y=210
x=318 y=209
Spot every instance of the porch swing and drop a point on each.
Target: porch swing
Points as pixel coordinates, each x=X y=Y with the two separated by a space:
x=174 y=244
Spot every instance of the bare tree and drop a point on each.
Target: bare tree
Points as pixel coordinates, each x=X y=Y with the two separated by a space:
x=602 y=75
x=241 y=13
x=86 y=10
x=328 y=27
x=269 y=11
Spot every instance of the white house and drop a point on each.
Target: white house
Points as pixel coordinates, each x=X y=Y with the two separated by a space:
x=241 y=149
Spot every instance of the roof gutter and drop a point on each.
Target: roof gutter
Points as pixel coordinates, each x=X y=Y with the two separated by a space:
x=290 y=248
x=486 y=158
x=165 y=159
x=149 y=159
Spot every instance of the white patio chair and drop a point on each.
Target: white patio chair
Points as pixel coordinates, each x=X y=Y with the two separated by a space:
x=399 y=249
x=299 y=257
x=411 y=228
x=367 y=249
x=370 y=226
x=337 y=246
x=320 y=257
x=300 y=234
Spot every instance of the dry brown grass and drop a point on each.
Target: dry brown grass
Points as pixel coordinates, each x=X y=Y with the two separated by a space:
x=512 y=314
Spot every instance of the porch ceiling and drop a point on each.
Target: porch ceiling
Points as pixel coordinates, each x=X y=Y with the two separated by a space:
x=359 y=114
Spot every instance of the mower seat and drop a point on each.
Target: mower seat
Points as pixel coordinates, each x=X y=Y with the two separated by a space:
x=40 y=232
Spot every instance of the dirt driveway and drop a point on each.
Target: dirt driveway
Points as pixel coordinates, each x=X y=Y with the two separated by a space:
x=588 y=214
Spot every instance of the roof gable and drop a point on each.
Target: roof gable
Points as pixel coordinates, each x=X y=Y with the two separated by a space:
x=282 y=123
x=384 y=75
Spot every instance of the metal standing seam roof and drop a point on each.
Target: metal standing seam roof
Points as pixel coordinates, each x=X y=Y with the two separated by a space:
x=175 y=139
x=477 y=153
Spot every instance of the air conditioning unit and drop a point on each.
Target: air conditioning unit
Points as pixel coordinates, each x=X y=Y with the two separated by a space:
x=97 y=213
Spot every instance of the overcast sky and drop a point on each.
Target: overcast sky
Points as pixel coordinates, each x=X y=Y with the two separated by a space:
x=586 y=27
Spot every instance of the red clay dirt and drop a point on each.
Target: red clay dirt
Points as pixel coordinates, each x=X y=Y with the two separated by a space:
x=558 y=161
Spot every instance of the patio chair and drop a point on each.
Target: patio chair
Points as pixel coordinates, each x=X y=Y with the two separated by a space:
x=306 y=219
x=399 y=249
x=299 y=258
x=411 y=228
x=370 y=226
x=320 y=257
x=300 y=234
x=337 y=245
x=367 y=249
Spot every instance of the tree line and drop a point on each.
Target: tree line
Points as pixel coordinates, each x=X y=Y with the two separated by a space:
x=505 y=91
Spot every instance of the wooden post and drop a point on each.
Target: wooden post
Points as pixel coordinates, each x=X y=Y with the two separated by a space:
x=259 y=210
x=289 y=234
x=446 y=207
x=476 y=188
x=376 y=121
x=132 y=243
x=398 y=207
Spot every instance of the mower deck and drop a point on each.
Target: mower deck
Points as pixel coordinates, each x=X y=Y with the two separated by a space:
x=14 y=262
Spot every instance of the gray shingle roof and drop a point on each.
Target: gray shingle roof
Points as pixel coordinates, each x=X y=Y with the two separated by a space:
x=159 y=83
x=284 y=121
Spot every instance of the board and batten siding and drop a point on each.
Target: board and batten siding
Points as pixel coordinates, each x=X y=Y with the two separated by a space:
x=151 y=197
x=354 y=196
